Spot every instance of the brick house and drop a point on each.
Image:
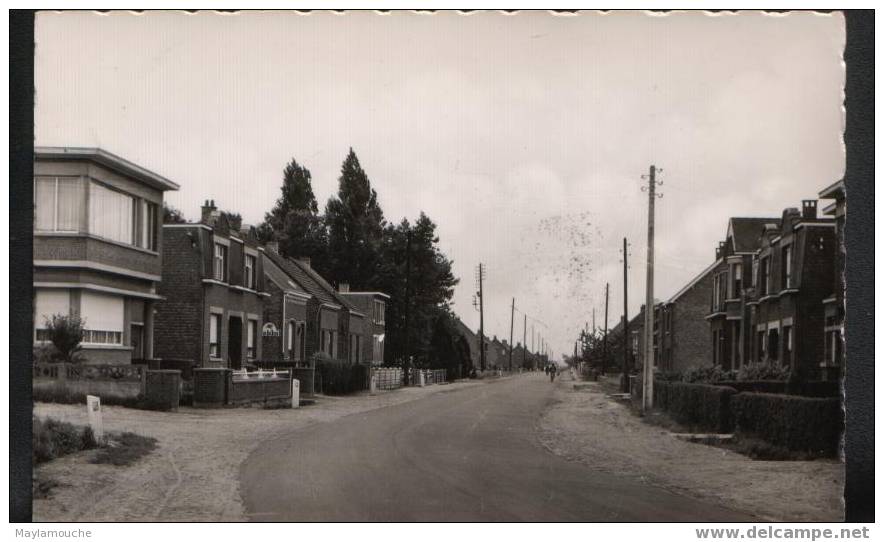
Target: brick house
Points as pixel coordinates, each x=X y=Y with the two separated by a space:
x=793 y=273
x=97 y=249
x=285 y=335
x=472 y=340
x=374 y=306
x=682 y=335
x=213 y=289
x=331 y=325
x=833 y=360
x=729 y=309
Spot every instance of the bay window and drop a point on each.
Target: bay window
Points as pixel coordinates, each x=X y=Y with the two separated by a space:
x=111 y=214
x=59 y=203
x=48 y=303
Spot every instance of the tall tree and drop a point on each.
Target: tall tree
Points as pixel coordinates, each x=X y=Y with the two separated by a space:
x=294 y=222
x=431 y=286
x=234 y=219
x=172 y=215
x=355 y=227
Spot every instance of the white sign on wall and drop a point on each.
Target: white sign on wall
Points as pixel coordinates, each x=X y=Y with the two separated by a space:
x=270 y=330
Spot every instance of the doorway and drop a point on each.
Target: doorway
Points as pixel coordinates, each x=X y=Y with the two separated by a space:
x=234 y=342
x=136 y=341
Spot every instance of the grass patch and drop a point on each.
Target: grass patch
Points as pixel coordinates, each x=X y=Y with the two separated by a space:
x=765 y=451
x=52 y=439
x=43 y=487
x=123 y=449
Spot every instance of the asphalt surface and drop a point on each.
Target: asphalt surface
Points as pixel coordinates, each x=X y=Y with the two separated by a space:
x=466 y=455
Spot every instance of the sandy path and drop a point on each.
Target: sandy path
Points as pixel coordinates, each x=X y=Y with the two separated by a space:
x=192 y=476
x=586 y=426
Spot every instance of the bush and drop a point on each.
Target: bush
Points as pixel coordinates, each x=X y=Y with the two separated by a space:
x=339 y=378
x=65 y=332
x=707 y=375
x=52 y=439
x=803 y=424
x=763 y=371
x=700 y=406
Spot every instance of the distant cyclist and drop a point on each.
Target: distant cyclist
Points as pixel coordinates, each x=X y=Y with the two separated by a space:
x=551 y=370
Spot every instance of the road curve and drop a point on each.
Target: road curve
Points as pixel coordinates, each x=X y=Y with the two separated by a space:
x=465 y=455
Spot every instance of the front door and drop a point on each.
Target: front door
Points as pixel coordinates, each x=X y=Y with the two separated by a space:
x=136 y=334
x=234 y=342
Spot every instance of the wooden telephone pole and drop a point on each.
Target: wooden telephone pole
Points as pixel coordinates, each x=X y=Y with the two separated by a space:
x=624 y=381
x=525 y=339
x=605 y=336
x=648 y=372
x=481 y=318
x=512 y=315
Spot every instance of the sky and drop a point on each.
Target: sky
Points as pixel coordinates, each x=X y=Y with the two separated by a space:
x=524 y=136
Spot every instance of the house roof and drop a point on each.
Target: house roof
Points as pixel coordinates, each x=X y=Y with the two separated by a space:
x=745 y=231
x=693 y=282
x=303 y=279
x=109 y=160
x=325 y=286
x=833 y=191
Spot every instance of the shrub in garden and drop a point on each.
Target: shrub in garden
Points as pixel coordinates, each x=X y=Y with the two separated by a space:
x=338 y=378
x=51 y=439
x=804 y=424
x=65 y=332
x=701 y=406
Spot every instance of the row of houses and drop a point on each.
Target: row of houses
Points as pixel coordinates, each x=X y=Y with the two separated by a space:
x=201 y=291
x=774 y=294
x=497 y=352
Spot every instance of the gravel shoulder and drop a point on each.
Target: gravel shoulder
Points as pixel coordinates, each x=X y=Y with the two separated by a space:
x=587 y=426
x=192 y=475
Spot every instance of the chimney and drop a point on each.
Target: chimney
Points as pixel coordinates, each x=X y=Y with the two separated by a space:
x=344 y=287
x=808 y=209
x=304 y=260
x=209 y=213
x=719 y=250
x=272 y=246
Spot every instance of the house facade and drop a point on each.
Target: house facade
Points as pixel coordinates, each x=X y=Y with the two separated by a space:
x=98 y=250
x=681 y=334
x=793 y=273
x=729 y=313
x=833 y=305
x=374 y=306
x=213 y=293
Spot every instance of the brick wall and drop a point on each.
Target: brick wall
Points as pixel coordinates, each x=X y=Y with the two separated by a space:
x=178 y=324
x=691 y=346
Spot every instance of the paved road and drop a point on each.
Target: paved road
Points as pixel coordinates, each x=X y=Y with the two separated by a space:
x=462 y=455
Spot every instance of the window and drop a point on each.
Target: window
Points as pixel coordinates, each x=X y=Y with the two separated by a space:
x=111 y=214
x=765 y=276
x=379 y=310
x=761 y=346
x=214 y=333
x=737 y=284
x=377 y=346
x=787 y=345
x=147 y=237
x=59 y=203
x=833 y=342
x=48 y=303
x=328 y=343
x=290 y=339
x=220 y=265
x=103 y=315
x=773 y=344
x=355 y=348
x=787 y=266
x=252 y=339
x=249 y=275
x=754 y=272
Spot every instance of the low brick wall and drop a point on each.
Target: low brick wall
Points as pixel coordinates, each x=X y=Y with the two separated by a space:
x=115 y=382
x=267 y=390
x=211 y=387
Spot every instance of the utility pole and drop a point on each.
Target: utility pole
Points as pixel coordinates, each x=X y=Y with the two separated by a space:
x=407 y=303
x=593 y=320
x=624 y=384
x=648 y=372
x=524 y=339
x=605 y=336
x=512 y=315
x=481 y=318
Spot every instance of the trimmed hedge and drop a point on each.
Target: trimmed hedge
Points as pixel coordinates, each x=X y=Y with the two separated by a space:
x=702 y=406
x=819 y=388
x=802 y=424
x=337 y=378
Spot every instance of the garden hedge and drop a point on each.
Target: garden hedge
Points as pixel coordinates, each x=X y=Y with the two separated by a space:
x=804 y=424
x=336 y=378
x=700 y=406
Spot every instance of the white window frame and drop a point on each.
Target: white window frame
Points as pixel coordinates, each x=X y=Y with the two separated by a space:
x=251 y=338
x=217 y=319
x=55 y=179
x=219 y=262
x=250 y=262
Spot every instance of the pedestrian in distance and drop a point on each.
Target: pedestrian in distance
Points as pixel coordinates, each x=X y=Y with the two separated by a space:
x=551 y=369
